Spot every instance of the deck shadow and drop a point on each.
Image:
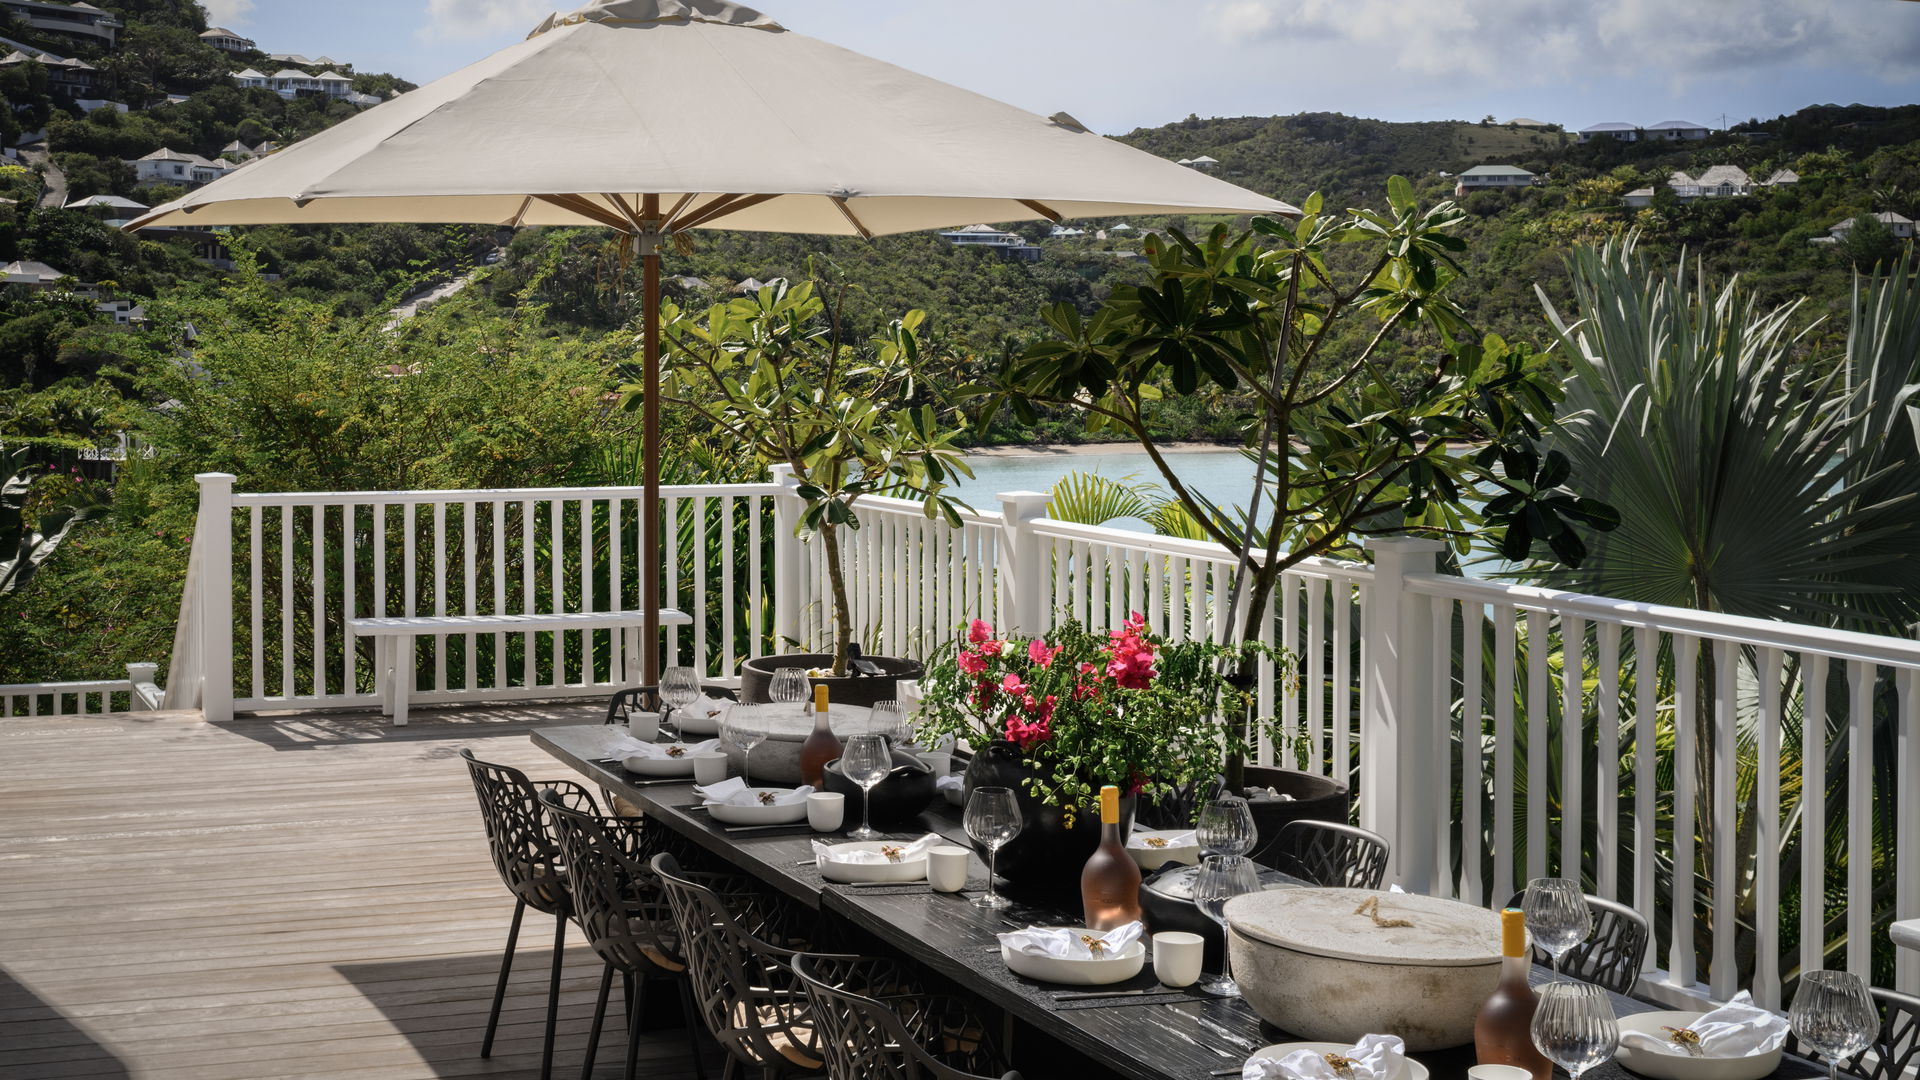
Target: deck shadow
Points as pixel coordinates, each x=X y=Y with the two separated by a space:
x=450 y=726
x=47 y=1039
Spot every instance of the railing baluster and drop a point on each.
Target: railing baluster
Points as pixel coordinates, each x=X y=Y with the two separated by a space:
x=1473 y=728
x=1606 y=789
x=1505 y=628
x=499 y=590
x=471 y=679
x=257 y=643
x=1539 y=791
x=1860 y=678
x=1573 y=745
x=670 y=529
x=700 y=585
x=318 y=554
x=1646 y=752
x=726 y=587
x=1813 y=812
x=440 y=594
x=529 y=602
x=1906 y=902
x=1721 y=967
x=1289 y=690
x=1680 y=956
x=556 y=573
x=1340 y=719
x=1766 y=834
x=1440 y=630
x=620 y=668
x=586 y=590
x=287 y=658
x=349 y=600
x=757 y=642
x=1314 y=682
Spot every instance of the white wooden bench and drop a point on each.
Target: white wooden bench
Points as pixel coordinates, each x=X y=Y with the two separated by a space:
x=394 y=638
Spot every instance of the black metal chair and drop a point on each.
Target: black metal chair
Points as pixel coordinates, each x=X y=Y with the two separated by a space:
x=647 y=699
x=1613 y=954
x=739 y=943
x=878 y=1022
x=619 y=906
x=1895 y=1050
x=1332 y=854
x=525 y=852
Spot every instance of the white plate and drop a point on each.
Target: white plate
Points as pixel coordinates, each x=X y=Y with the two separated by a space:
x=1076 y=971
x=1410 y=1070
x=1680 y=1065
x=661 y=766
x=1151 y=858
x=696 y=721
x=755 y=814
x=907 y=870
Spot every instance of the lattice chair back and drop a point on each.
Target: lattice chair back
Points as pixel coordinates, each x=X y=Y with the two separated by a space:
x=519 y=836
x=738 y=944
x=1333 y=854
x=1895 y=1051
x=646 y=698
x=616 y=899
x=877 y=1022
x=1613 y=955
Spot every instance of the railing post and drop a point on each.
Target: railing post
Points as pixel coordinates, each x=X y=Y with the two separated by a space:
x=1402 y=741
x=140 y=678
x=1022 y=572
x=213 y=531
x=789 y=559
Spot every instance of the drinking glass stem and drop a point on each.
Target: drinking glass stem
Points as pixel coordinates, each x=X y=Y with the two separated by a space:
x=993 y=857
x=866 y=808
x=1226 y=956
x=746 y=767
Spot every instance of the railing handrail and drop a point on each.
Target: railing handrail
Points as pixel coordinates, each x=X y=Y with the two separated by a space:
x=1155 y=543
x=888 y=504
x=1849 y=645
x=460 y=495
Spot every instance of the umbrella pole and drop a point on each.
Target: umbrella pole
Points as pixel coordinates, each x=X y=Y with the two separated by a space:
x=654 y=566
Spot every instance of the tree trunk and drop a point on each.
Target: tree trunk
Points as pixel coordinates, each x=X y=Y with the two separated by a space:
x=842 y=610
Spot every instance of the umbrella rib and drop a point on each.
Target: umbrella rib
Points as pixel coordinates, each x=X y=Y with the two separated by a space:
x=711 y=207
x=633 y=220
x=741 y=202
x=585 y=208
x=1043 y=210
x=520 y=215
x=667 y=223
x=847 y=212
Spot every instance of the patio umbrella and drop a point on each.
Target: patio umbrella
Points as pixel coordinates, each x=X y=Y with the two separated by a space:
x=655 y=117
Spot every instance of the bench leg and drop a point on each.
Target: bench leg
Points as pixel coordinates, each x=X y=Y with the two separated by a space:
x=383 y=673
x=403 y=681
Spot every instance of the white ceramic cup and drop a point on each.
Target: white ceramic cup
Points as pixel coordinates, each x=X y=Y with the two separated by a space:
x=1498 y=1072
x=643 y=725
x=947 y=868
x=826 y=810
x=939 y=760
x=709 y=768
x=1177 y=957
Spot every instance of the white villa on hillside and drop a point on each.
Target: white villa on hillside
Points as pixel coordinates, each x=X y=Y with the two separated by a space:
x=1610 y=130
x=1718 y=182
x=81 y=20
x=226 y=40
x=1901 y=226
x=290 y=83
x=1483 y=177
x=33 y=275
x=1010 y=244
x=67 y=77
x=165 y=166
x=1676 y=129
x=1201 y=162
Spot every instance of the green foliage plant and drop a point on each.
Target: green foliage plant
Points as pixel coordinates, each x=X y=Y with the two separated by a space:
x=25 y=545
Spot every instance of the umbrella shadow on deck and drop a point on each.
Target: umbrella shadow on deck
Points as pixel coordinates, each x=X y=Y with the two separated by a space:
x=449 y=727
x=42 y=1041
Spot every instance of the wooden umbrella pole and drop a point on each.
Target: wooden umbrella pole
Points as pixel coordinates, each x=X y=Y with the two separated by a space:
x=655 y=565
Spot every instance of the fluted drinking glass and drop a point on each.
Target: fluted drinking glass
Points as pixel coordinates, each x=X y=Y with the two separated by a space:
x=1574 y=1026
x=1834 y=1016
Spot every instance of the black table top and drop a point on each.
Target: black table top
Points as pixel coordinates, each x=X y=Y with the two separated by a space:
x=1173 y=1036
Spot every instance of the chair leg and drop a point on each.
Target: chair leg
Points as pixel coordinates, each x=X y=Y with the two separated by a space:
x=553 y=995
x=599 y=1014
x=500 y=988
x=633 y=1026
x=693 y=1026
x=732 y=1070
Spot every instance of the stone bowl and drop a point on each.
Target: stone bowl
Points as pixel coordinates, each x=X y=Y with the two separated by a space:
x=1313 y=966
x=777 y=760
x=756 y=677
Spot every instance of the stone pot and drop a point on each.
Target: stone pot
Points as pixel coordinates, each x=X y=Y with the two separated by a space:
x=756 y=676
x=897 y=800
x=1315 y=798
x=1314 y=967
x=1047 y=854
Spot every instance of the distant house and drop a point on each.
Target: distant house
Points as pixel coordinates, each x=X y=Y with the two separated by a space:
x=1676 y=129
x=68 y=78
x=1638 y=197
x=249 y=79
x=1201 y=162
x=90 y=104
x=1485 y=177
x=112 y=209
x=124 y=312
x=1781 y=177
x=226 y=40
x=1722 y=181
x=78 y=20
x=290 y=83
x=1007 y=244
x=1610 y=130
x=1897 y=224
x=33 y=275
x=1526 y=122
x=1065 y=232
x=165 y=166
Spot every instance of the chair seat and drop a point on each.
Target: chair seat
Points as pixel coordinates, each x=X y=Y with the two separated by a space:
x=773 y=1022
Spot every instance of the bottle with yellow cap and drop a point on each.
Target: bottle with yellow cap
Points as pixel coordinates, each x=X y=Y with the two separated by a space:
x=822 y=744
x=1503 y=1030
x=1110 y=883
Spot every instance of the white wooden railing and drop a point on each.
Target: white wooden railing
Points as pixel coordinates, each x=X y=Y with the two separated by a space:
x=1440 y=698
x=91 y=697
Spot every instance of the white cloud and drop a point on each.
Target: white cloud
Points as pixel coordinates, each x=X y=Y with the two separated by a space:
x=486 y=18
x=228 y=13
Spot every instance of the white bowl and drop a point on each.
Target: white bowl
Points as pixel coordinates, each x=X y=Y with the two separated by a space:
x=1152 y=858
x=694 y=722
x=1681 y=1065
x=1409 y=1069
x=1078 y=971
x=661 y=766
x=914 y=869
x=756 y=814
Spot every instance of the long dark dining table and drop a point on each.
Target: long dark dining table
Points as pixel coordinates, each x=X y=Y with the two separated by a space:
x=1172 y=1036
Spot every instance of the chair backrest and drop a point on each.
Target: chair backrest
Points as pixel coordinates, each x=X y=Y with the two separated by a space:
x=877 y=1022
x=1894 y=1051
x=1333 y=854
x=646 y=698
x=738 y=943
x=1612 y=956
x=615 y=897
x=518 y=834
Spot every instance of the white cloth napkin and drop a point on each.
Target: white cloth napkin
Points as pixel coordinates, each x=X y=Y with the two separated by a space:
x=1374 y=1057
x=734 y=791
x=1138 y=841
x=626 y=747
x=951 y=780
x=713 y=708
x=1067 y=943
x=1735 y=1030
x=908 y=852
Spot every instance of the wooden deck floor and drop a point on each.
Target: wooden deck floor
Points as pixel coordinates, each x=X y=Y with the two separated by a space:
x=297 y=896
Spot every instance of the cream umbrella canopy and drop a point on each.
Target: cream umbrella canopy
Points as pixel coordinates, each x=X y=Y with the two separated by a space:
x=656 y=117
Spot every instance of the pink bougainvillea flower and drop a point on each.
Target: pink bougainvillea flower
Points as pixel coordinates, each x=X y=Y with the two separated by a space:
x=978 y=631
x=1012 y=684
x=1027 y=733
x=971 y=663
x=1039 y=653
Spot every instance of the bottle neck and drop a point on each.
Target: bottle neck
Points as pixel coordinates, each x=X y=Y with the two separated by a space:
x=1515 y=969
x=820 y=721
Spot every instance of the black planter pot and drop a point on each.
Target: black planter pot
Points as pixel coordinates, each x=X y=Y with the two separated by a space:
x=756 y=676
x=897 y=800
x=1314 y=798
x=1164 y=910
x=1047 y=854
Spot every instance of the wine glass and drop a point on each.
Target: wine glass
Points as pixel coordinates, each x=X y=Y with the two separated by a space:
x=1220 y=879
x=866 y=761
x=679 y=688
x=993 y=819
x=1573 y=1025
x=1557 y=915
x=790 y=686
x=1226 y=827
x=1834 y=1016
x=888 y=719
x=746 y=728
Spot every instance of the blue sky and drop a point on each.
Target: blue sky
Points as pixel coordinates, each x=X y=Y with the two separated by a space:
x=1120 y=64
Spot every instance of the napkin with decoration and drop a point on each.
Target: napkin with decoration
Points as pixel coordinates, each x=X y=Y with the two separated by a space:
x=906 y=853
x=951 y=780
x=629 y=747
x=1374 y=1057
x=1070 y=943
x=1139 y=840
x=735 y=792
x=1735 y=1030
x=713 y=708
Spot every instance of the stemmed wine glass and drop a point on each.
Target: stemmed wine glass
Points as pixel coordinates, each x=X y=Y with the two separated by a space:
x=746 y=728
x=1220 y=879
x=866 y=761
x=1574 y=1026
x=1226 y=827
x=993 y=819
x=679 y=688
x=1557 y=916
x=789 y=686
x=888 y=719
x=1834 y=1015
